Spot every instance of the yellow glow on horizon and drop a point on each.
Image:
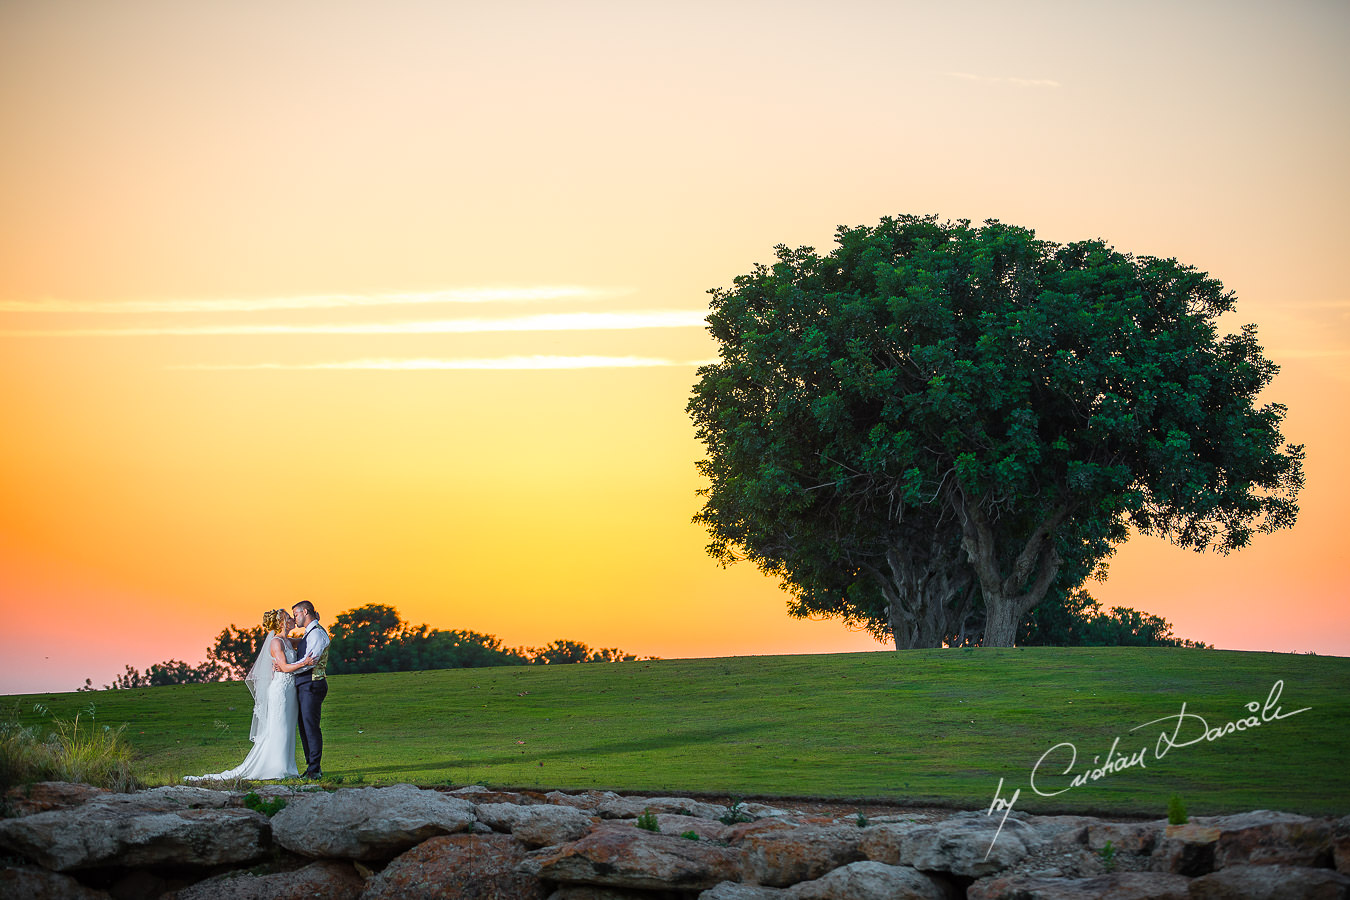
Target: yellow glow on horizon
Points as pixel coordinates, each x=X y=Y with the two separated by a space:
x=576 y=321
x=402 y=304
x=322 y=301
x=494 y=364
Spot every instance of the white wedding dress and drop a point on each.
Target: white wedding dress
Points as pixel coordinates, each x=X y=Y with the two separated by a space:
x=275 y=710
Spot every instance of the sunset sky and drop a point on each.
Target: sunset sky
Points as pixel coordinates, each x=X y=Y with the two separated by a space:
x=401 y=302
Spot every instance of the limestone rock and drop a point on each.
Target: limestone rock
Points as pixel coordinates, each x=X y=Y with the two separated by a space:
x=882 y=843
x=742 y=830
x=1117 y=886
x=458 y=867
x=1271 y=882
x=25 y=883
x=45 y=796
x=1185 y=850
x=1125 y=837
x=1061 y=830
x=368 y=823
x=970 y=845
x=1192 y=831
x=476 y=793
x=329 y=879
x=542 y=825
x=103 y=834
x=618 y=807
x=734 y=890
x=584 y=800
x=762 y=811
x=872 y=881
x=628 y=857
x=783 y=857
x=610 y=805
x=1265 y=837
x=167 y=798
x=1055 y=861
x=706 y=829
x=156 y=842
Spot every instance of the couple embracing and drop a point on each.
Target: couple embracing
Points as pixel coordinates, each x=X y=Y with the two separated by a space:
x=288 y=682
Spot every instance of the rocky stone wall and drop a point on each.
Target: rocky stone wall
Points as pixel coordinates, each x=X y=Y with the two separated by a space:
x=192 y=843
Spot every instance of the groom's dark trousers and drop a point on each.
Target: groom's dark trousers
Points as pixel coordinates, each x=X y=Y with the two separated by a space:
x=309 y=694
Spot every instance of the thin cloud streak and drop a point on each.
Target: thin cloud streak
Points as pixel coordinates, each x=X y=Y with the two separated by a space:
x=582 y=321
x=316 y=301
x=505 y=363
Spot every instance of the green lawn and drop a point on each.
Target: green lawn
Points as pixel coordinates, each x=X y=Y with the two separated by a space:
x=922 y=726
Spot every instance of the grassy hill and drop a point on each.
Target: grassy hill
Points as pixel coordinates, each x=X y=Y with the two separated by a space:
x=921 y=726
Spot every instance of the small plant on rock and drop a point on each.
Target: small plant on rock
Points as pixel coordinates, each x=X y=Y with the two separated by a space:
x=1108 y=855
x=1176 y=811
x=862 y=821
x=736 y=814
x=647 y=821
x=268 y=808
x=690 y=835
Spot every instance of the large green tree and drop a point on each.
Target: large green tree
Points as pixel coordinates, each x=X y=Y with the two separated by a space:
x=932 y=427
x=361 y=636
x=235 y=650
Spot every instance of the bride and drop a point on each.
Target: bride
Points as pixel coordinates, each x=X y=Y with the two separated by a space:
x=274 y=707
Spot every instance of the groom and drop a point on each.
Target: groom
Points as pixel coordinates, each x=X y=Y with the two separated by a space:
x=311 y=685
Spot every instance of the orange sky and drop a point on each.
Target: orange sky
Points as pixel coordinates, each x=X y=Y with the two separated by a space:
x=398 y=302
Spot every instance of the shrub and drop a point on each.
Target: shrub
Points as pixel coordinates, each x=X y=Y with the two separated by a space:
x=268 y=808
x=1176 y=811
x=648 y=822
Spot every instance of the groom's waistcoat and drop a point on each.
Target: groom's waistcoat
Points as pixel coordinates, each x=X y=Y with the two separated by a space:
x=319 y=671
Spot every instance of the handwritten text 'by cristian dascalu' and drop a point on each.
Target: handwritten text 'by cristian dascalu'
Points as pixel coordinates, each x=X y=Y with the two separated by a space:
x=1186 y=729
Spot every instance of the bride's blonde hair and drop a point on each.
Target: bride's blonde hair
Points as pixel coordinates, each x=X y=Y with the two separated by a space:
x=274 y=619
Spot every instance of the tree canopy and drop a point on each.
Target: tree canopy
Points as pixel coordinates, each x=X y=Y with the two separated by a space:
x=932 y=428
x=235 y=650
x=374 y=638
x=369 y=638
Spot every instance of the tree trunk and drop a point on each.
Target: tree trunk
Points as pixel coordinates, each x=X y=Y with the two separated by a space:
x=1003 y=613
x=1007 y=599
x=926 y=589
x=1001 y=618
x=912 y=631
